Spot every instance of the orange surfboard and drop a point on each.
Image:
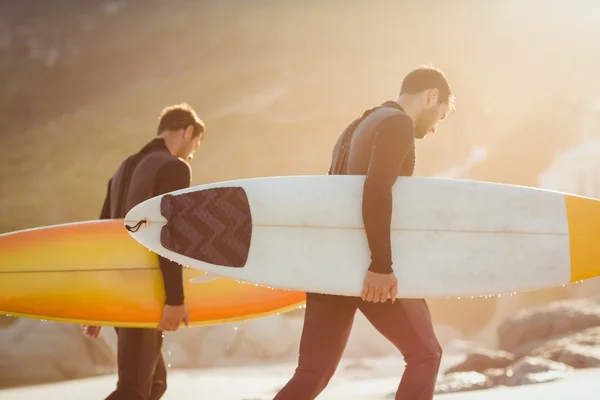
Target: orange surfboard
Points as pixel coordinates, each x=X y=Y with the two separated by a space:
x=95 y=273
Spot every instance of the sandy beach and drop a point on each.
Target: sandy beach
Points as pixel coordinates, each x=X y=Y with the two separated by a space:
x=369 y=379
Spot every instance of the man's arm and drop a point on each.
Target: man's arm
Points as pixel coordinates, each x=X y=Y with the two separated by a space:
x=105 y=213
x=174 y=175
x=392 y=142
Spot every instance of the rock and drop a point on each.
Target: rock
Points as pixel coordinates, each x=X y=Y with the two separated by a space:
x=499 y=368
x=462 y=382
x=531 y=370
x=35 y=352
x=528 y=365
x=534 y=326
x=579 y=350
x=496 y=375
x=525 y=371
x=480 y=360
x=578 y=356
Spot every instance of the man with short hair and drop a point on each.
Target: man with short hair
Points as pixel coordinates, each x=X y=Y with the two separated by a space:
x=381 y=145
x=159 y=167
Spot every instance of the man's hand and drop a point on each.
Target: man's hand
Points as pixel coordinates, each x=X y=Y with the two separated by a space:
x=172 y=317
x=379 y=287
x=91 y=331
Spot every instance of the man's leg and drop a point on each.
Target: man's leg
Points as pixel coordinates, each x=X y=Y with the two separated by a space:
x=138 y=352
x=327 y=324
x=407 y=324
x=159 y=381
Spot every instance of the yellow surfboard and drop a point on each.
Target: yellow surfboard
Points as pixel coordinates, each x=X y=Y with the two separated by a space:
x=95 y=273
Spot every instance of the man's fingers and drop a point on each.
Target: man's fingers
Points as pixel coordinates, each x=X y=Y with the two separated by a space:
x=365 y=291
x=172 y=321
x=164 y=324
x=172 y=325
x=369 y=294
x=177 y=323
x=376 y=294
x=373 y=290
x=394 y=292
x=378 y=289
x=382 y=295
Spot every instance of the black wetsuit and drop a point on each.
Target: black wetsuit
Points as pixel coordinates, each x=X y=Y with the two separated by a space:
x=150 y=172
x=381 y=152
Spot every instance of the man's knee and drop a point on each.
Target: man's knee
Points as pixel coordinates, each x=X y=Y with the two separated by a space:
x=430 y=356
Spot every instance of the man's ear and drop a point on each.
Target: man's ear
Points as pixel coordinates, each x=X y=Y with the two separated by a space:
x=432 y=96
x=188 y=133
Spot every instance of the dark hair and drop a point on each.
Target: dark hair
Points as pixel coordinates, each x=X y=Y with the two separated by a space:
x=180 y=116
x=428 y=77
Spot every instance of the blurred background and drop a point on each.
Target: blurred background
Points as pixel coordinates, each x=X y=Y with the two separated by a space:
x=83 y=82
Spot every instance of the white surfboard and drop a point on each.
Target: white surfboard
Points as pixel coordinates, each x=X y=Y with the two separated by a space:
x=305 y=233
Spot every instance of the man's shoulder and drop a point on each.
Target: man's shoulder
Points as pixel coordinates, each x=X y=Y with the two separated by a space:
x=162 y=156
x=175 y=166
x=385 y=112
x=387 y=118
x=127 y=162
x=398 y=121
x=391 y=113
x=164 y=159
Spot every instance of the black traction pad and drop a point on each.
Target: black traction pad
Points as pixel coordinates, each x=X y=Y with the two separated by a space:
x=211 y=225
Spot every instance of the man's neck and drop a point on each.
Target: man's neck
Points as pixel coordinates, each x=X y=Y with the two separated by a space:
x=408 y=105
x=168 y=142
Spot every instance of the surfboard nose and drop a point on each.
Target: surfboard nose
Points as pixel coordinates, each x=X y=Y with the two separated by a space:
x=212 y=225
x=583 y=216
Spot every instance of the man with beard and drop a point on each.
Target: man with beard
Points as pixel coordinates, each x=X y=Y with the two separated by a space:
x=381 y=145
x=157 y=168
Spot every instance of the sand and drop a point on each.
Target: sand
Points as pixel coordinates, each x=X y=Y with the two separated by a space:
x=372 y=379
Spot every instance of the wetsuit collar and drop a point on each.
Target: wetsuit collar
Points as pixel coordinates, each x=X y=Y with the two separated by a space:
x=391 y=103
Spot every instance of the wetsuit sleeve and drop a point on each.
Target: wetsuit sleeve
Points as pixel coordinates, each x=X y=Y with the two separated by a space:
x=392 y=142
x=174 y=175
x=105 y=213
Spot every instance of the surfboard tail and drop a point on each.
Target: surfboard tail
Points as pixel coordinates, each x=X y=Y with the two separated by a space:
x=583 y=216
x=213 y=225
